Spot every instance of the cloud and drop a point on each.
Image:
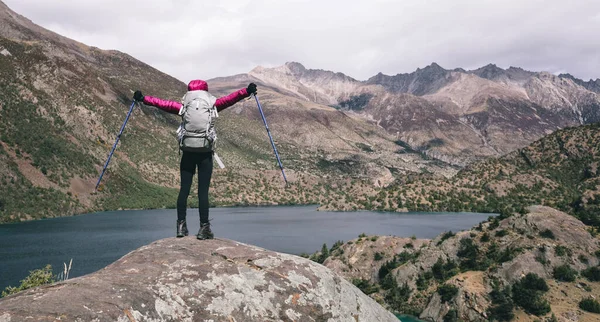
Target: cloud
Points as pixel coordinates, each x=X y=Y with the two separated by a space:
x=204 y=39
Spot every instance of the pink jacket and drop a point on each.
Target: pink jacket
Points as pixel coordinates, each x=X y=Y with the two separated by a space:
x=173 y=107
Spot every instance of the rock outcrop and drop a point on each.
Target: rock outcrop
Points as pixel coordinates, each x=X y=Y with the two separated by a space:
x=190 y=280
x=502 y=253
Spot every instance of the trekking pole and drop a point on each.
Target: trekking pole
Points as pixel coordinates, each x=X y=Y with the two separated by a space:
x=115 y=145
x=270 y=137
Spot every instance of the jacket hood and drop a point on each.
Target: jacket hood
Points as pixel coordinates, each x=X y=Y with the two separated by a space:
x=197 y=85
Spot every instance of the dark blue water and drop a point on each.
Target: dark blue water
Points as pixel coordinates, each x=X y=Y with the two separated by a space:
x=96 y=240
x=408 y=318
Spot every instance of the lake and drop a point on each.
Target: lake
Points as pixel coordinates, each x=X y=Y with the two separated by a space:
x=95 y=240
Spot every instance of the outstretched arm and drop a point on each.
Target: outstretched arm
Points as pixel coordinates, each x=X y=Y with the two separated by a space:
x=167 y=106
x=226 y=101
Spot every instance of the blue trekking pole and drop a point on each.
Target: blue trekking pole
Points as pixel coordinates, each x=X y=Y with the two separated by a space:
x=270 y=137
x=115 y=145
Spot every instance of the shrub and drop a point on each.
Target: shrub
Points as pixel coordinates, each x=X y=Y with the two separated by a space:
x=397 y=296
x=485 y=238
x=386 y=268
x=445 y=236
x=377 y=256
x=590 y=305
x=395 y=262
x=501 y=233
x=502 y=305
x=507 y=254
x=527 y=293
x=443 y=271
x=504 y=213
x=365 y=286
x=323 y=255
x=547 y=234
x=447 y=292
x=451 y=316
x=423 y=280
x=35 y=278
x=468 y=252
x=336 y=246
x=560 y=250
x=479 y=227
x=387 y=282
x=564 y=273
x=495 y=255
x=438 y=270
x=540 y=258
x=592 y=274
x=494 y=223
x=404 y=257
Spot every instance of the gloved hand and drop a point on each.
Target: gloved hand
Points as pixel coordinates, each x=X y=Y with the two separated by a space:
x=251 y=89
x=138 y=96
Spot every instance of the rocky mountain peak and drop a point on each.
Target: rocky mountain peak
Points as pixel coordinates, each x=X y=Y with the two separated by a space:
x=566 y=75
x=432 y=71
x=423 y=81
x=490 y=71
x=591 y=85
x=295 y=67
x=433 y=67
x=316 y=85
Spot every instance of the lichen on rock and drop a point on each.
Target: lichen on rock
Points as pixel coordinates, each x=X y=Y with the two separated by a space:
x=189 y=280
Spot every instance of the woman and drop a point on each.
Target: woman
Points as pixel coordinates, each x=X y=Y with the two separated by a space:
x=190 y=160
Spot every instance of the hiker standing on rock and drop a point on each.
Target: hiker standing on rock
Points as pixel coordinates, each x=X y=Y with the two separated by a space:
x=197 y=137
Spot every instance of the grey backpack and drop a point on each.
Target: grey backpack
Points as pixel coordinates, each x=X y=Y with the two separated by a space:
x=197 y=130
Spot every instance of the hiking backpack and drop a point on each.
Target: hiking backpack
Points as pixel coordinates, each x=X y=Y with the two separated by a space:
x=197 y=130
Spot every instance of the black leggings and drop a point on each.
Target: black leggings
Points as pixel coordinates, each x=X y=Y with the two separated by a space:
x=187 y=168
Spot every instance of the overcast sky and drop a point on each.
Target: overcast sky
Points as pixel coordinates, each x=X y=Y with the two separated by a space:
x=204 y=39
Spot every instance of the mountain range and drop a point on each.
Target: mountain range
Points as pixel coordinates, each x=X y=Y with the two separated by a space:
x=457 y=116
x=63 y=103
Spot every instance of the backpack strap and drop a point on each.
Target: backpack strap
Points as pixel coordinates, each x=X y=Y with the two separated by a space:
x=183 y=107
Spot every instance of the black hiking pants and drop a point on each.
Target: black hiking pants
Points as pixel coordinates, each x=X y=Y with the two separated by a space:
x=189 y=161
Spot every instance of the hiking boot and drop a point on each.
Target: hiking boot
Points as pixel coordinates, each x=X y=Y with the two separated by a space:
x=182 y=228
x=205 y=232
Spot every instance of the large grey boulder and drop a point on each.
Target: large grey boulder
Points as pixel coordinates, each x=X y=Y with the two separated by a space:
x=190 y=280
